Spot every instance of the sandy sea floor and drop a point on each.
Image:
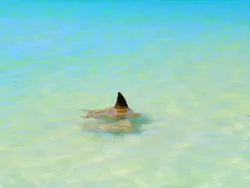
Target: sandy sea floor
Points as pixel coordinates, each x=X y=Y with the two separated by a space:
x=186 y=67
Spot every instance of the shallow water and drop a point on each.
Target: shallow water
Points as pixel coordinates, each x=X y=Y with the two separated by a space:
x=184 y=65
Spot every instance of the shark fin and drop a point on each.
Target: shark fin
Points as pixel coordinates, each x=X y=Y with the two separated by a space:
x=121 y=101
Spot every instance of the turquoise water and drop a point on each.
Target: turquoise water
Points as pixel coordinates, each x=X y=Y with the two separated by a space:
x=186 y=65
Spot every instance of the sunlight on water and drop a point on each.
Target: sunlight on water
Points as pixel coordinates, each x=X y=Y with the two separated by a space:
x=184 y=66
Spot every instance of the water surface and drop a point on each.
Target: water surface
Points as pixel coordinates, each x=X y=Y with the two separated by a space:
x=184 y=64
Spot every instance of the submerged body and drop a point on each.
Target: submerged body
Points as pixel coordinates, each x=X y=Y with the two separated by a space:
x=111 y=113
x=120 y=110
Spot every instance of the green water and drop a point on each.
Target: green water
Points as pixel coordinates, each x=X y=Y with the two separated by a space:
x=184 y=65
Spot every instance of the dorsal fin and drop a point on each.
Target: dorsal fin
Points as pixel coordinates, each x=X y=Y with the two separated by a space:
x=120 y=101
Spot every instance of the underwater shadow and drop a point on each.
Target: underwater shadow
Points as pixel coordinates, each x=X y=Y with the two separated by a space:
x=116 y=126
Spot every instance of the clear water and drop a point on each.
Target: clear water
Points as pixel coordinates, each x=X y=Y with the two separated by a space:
x=186 y=64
